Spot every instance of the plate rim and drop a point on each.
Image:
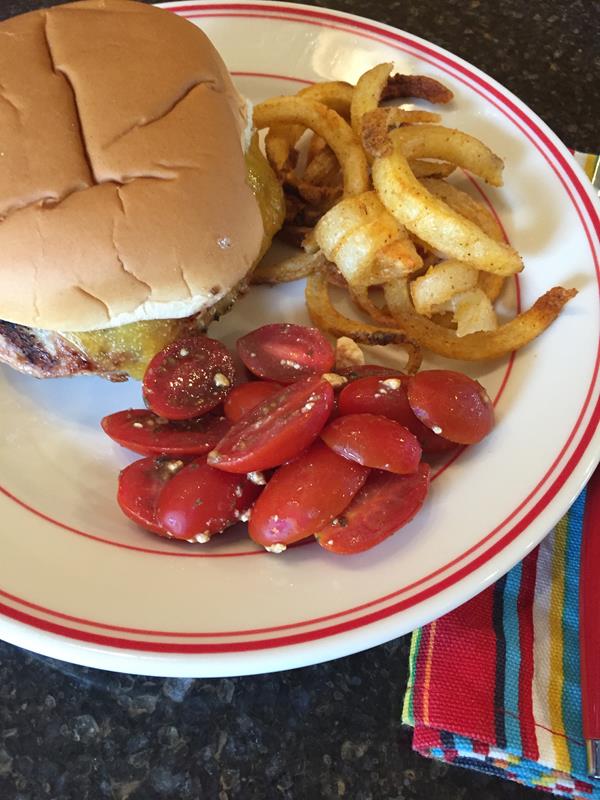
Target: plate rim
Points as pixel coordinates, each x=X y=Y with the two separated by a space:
x=586 y=455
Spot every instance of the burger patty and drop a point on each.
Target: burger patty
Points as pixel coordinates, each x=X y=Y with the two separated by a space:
x=40 y=353
x=51 y=354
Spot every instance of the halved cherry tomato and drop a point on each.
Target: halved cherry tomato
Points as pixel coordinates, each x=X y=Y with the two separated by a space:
x=377 y=394
x=451 y=404
x=277 y=430
x=201 y=501
x=143 y=432
x=387 y=396
x=284 y=352
x=188 y=378
x=384 y=504
x=374 y=441
x=302 y=497
x=140 y=485
x=247 y=396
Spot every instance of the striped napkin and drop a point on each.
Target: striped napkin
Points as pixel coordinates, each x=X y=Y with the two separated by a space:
x=494 y=685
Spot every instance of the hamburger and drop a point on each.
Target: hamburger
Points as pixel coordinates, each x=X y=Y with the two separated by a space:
x=134 y=199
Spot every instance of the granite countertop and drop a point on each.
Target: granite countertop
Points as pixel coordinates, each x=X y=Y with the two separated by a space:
x=331 y=731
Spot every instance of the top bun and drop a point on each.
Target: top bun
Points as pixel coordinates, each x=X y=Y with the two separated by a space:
x=123 y=192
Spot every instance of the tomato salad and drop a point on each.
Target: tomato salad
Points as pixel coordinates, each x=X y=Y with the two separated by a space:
x=297 y=450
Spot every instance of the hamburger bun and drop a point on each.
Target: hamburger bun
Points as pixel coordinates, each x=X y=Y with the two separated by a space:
x=123 y=182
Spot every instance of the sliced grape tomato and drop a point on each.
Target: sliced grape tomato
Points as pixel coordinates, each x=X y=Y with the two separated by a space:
x=386 y=395
x=277 y=430
x=385 y=503
x=200 y=501
x=144 y=432
x=451 y=404
x=285 y=352
x=303 y=496
x=140 y=485
x=188 y=378
x=374 y=441
x=247 y=396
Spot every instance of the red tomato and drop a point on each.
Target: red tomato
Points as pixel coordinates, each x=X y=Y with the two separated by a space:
x=188 y=378
x=384 y=504
x=140 y=485
x=451 y=404
x=143 y=432
x=284 y=352
x=387 y=396
x=384 y=395
x=303 y=496
x=374 y=441
x=201 y=501
x=277 y=430
x=247 y=396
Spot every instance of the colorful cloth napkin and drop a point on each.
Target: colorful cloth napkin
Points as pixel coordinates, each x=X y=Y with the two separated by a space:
x=494 y=685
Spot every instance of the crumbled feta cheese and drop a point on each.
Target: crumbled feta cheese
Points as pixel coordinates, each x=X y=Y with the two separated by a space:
x=436 y=429
x=257 y=477
x=221 y=380
x=334 y=379
x=137 y=425
x=392 y=383
x=275 y=548
x=348 y=353
x=285 y=362
x=199 y=538
x=184 y=352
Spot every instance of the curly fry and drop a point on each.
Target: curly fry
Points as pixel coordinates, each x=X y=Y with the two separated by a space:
x=326 y=317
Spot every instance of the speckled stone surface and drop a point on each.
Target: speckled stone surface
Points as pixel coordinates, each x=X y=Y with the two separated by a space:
x=331 y=731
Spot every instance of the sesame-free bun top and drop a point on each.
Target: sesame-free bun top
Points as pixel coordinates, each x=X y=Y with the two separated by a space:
x=123 y=192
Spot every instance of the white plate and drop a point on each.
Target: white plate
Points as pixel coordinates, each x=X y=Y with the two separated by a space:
x=78 y=582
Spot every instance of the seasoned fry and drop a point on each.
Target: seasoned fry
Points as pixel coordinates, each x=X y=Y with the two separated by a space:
x=397 y=297
x=344 y=218
x=473 y=312
x=416 y=86
x=440 y=283
x=367 y=94
x=434 y=221
x=333 y=94
x=437 y=141
x=322 y=169
x=290 y=269
x=365 y=241
x=279 y=147
x=326 y=317
x=463 y=203
x=484 y=344
x=281 y=139
x=398 y=259
x=375 y=127
x=326 y=123
x=479 y=214
x=362 y=300
x=439 y=256
x=430 y=169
